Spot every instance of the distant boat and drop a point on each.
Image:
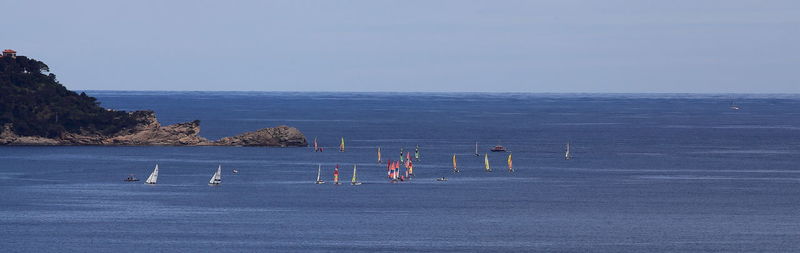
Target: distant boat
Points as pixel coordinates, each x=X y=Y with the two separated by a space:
x=510 y=164
x=217 y=177
x=354 y=181
x=319 y=171
x=498 y=148
x=131 y=178
x=235 y=171
x=734 y=107
x=153 y=176
x=486 y=163
x=567 y=154
x=455 y=168
x=341 y=145
x=336 y=175
x=416 y=153
x=316 y=146
x=441 y=179
x=476 y=149
x=379 y=154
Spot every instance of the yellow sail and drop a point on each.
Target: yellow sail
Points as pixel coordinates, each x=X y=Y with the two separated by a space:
x=510 y=164
x=486 y=162
x=379 y=154
x=341 y=146
x=455 y=168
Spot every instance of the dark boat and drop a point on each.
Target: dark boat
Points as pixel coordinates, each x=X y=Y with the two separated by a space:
x=131 y=178
x=498 y=148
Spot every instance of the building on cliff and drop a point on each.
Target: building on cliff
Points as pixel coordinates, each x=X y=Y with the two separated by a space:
x=9 y=53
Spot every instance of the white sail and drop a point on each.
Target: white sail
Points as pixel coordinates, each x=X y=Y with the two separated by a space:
x=567 y=154
x=217 y=177
x=319 y=172
x=153 y=176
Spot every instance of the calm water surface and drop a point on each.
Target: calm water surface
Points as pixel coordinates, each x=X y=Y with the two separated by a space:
x=651 y=173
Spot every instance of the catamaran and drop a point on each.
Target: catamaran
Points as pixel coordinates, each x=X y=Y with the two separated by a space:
x=336 y=175
x=354 y=180
x=455 y=168
x=153 y=176
x=379 y=155
x=486 y=163
x=217 y=177
x=510 y=164
x=341 y=145
x=319 y=173
x=567 y=154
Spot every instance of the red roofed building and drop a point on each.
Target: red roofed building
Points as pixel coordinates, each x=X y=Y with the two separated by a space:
x=9 y=53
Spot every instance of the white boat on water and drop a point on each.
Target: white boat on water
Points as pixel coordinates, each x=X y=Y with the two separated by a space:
x=153 y=178
x=319 y=171
x=217 y=177
x=354 y=181
x=567 y=153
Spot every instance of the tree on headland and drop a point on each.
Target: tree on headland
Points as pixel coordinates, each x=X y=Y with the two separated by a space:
x=36 y=104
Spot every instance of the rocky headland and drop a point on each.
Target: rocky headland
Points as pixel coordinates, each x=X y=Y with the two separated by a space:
x=35 y=109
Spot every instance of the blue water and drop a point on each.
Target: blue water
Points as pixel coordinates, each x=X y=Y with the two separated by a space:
x=651 y=173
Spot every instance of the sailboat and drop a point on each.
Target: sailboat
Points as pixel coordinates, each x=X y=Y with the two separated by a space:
x=416 y=153
x=486 y=163
x=379 y=155
x=336 y=175
x=455 y=168
x=510 y=164
x=476 y=149
x=316 y=146
x=153 y=176
x=567 y=154
x=354 y=181
x=319 y=173
x=341 y=145
x=217 y=177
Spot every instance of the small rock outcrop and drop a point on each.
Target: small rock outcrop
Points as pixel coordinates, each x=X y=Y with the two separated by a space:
x=282 y=136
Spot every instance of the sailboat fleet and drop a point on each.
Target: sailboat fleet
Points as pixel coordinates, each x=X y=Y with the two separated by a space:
x=393 y=168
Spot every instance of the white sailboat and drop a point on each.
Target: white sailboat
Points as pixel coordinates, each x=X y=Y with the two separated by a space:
x=354 y=181
x=217 y=177
x=486 y=163
x=476 y=149
x=319 y=171
x=153 y=176
x=567 y=154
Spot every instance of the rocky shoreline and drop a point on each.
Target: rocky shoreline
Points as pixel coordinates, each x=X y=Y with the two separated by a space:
x=149 y=132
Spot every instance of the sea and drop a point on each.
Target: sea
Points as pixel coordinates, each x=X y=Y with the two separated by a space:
x=649 y=173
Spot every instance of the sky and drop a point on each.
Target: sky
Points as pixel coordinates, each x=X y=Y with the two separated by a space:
x=602 y=46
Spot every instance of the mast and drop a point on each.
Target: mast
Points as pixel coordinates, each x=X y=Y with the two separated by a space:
x=486 y=163
x=510 y=164
x=379 y=154
x=153 y=176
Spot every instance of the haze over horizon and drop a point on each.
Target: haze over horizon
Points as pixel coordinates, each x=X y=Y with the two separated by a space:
x=429 y=46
